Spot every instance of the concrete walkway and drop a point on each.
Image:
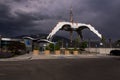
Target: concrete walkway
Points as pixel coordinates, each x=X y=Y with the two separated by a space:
x=31 y=56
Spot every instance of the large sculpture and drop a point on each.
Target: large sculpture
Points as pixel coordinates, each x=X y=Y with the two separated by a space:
x=70 y=26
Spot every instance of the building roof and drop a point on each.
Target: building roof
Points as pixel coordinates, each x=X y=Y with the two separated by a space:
x=10 y=39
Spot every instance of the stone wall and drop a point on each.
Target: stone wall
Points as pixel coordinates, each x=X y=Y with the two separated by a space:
x=101 y=50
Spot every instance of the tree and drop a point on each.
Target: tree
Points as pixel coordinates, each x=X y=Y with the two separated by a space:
x=118 y=43
x=83 y=44
x=77 y=42
x=103 y=40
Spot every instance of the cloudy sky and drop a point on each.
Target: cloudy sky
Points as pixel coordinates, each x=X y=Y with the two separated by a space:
x=18 y=17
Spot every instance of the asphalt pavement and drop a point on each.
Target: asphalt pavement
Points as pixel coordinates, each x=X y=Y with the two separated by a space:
x=102 y=68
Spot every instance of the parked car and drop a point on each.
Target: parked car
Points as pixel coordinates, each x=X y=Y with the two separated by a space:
x=115 y=52
x=17 y=48
x=6 y=55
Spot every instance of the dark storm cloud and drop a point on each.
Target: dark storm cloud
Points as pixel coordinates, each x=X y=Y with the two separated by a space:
x=108 y=18
x=19 y=17
x=18 y=23
x=4 y=18
x=103 y=15
x=11 y=25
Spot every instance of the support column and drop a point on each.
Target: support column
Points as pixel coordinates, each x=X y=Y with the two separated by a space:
x=71 y=32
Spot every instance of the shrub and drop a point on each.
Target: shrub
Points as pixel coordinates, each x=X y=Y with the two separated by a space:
x=51 y=46
x=47 y=47
x=57 y=47
x=36 y=47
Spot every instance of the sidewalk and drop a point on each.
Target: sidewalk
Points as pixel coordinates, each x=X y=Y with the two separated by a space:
x=53 y=56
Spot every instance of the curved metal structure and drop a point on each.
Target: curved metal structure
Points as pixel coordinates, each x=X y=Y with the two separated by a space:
x=44 y=41
x=70 y=26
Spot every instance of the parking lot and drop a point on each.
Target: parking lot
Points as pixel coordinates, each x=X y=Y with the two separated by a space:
x=61 y=69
